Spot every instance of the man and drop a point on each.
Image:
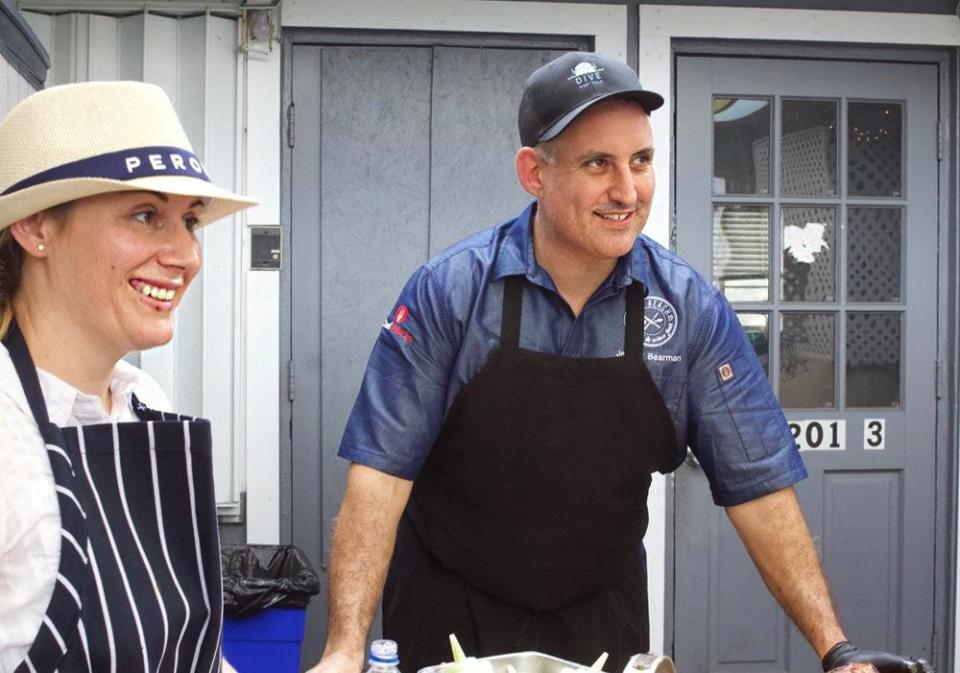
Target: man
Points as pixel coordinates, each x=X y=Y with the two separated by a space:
x=509 y=422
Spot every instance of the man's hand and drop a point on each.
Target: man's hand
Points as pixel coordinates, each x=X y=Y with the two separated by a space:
x=776 y=536
x=338 y=663
x=362 y=545
x=845 y=653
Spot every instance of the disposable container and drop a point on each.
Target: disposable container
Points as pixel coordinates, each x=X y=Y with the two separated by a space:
x=537 y=662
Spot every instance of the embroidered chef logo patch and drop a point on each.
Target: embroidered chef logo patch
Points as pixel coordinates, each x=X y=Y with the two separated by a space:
x=659 y=322
x=400 y=315
x=725 y=372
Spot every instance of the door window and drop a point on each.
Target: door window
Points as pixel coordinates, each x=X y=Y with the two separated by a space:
x=741 y=145
x=741 y=251
x=808 y=145
x=875 y=149
x=824 y=224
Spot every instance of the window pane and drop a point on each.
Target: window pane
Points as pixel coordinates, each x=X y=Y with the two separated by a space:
x=741 y=252
x=741 y=146
x=807 y=358
x=757 y=328
x=874 y=253
x=873 y=359
x=874 y=149
x=808 y=148
x=809 y=237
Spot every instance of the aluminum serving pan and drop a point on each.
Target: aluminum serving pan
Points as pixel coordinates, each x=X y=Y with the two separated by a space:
x=536 y=662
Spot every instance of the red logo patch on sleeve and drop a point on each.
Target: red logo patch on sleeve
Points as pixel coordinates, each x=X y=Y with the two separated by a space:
x=401 y=314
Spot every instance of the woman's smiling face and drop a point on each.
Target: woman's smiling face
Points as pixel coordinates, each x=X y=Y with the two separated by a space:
x=119 y=263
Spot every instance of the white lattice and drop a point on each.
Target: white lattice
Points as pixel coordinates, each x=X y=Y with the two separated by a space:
x=761 y=164
x=873 y=338
x=809 y=167
x=874 y=239
x=874 y=165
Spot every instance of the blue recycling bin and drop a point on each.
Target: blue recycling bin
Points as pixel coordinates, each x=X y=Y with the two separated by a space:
x=267 y=641
x=266 y=590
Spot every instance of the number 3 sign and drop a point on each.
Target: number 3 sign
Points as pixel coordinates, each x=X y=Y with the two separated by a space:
x=874 y=433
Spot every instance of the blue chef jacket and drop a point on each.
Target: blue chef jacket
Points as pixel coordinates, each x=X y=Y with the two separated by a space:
x=447 y=321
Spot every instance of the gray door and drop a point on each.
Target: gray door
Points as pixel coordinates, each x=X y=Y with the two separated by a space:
x=816 y=214
x=397 y=153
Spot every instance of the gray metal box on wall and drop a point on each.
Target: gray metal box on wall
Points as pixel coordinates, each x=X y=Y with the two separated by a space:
x=265 y=247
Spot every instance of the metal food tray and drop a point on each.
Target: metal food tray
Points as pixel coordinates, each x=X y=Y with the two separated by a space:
x=537 y=662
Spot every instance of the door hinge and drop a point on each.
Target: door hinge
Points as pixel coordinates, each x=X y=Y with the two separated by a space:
x=291 y=381
x=290 y=119
x=939 y=376
x=939 y=141
x=673 y=231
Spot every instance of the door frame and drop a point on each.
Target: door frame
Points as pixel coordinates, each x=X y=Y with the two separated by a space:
x=360 y=38
x=948 y=305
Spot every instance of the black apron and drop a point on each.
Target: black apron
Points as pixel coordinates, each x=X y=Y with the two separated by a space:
x=138 y=587
x=524 y=529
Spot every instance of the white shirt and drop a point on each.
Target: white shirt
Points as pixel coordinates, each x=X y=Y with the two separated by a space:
x=29 y=514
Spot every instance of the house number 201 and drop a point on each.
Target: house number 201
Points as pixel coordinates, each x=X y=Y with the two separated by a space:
x=820 y=435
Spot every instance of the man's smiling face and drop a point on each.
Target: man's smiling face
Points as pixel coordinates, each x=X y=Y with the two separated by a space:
x=597 y=182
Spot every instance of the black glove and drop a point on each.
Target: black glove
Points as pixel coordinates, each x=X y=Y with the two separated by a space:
x=844 y=653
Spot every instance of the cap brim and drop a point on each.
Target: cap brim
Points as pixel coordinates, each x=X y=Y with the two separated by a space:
x=21 y=204
x=649 y=100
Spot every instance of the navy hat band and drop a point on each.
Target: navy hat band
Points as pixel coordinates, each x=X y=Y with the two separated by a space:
x=131 y=164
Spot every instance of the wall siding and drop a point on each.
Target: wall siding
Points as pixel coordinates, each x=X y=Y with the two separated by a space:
x=195 y=61
x=13 y=87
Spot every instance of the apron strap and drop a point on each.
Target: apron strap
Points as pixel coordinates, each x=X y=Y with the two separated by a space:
x=16 y=345
x=143 y=412
x=635 y=319
x=512 y=308
x=20 y=355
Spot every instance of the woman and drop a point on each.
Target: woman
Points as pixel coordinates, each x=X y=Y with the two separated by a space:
x=109 y=556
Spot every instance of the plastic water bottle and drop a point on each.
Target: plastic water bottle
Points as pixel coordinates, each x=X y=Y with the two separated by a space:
x=383 y=657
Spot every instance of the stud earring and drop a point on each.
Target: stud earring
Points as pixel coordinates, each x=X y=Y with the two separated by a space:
x=41 y=247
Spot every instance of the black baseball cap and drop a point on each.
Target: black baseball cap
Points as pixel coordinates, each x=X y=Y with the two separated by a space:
x=563 y=88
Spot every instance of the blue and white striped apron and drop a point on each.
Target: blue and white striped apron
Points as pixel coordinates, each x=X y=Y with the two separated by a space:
x=138 y=587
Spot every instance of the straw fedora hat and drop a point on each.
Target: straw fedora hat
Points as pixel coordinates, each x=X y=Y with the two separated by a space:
x=77 y=140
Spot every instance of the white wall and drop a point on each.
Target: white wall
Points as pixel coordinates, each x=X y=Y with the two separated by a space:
x=13 y=87
x=261 y=177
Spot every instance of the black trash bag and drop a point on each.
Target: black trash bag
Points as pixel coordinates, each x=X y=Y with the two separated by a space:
x=257 y=577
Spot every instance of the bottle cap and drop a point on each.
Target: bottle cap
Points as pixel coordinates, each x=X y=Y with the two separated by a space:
x=384 y=653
